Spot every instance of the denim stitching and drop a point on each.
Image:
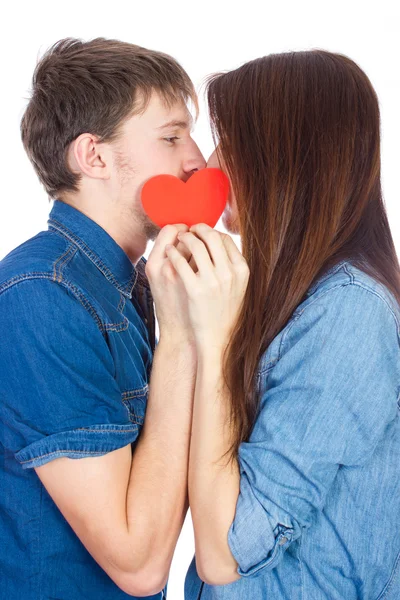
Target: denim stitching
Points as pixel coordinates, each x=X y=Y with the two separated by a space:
x=122 y=326
x=66 y=260
x=49 y=276
x=85 y=303
x=267 y=368
x=121 y=304
x=58 y=260
x=135 y=393
x=355 y=283
x=297 y=313
x=80 y=451
x=134 y=417
x=60 y=452
x=24 y=277
x=117 y=327
x=286 y=333
x=391 y=581
x=53 y=223
x=325 y=276
x=114 y=430
x=301 y=567
x=351 y=275
x=126 y=289
x=375 y=293
x=370 y=289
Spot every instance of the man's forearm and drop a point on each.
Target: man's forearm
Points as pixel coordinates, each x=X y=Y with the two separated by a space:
x=157 y=491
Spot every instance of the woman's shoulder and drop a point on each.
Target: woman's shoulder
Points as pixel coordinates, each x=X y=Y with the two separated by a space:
x=347 y=283
x=346 y=303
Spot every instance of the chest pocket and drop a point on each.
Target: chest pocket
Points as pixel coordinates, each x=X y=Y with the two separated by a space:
x=135 y=402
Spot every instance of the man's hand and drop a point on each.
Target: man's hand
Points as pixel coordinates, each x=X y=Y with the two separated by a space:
x=168 y=291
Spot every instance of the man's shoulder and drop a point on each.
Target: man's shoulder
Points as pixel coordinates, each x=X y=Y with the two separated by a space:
x=52 y=269
x=36 y=258
x=37 y=269
x=51 y=256
x=33 y=287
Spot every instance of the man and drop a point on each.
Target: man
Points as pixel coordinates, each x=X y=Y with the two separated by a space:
x=90 y=509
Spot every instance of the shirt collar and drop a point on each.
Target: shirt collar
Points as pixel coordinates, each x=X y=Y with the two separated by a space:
x=325 y=275
x=98 y=246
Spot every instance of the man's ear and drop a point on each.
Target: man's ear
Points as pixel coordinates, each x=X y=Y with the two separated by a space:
x=88 y=156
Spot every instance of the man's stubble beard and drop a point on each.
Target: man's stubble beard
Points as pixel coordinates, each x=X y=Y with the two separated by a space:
x=144 y=225
x=135 y=210
x=150 y=229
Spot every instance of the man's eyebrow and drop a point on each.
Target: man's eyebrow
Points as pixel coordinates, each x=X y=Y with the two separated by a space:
x=178 y=124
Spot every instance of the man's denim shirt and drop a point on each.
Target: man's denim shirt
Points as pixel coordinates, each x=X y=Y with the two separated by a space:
x=77 y=340
x=318 y=514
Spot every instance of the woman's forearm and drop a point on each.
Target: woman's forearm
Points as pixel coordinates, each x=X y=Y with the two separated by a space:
x=213 y=483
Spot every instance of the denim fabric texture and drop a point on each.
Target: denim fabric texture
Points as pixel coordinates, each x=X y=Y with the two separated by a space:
x=318 y=514
x=77 y=337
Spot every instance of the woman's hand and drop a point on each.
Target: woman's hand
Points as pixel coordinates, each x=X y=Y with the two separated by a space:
x=215 y=292
x=167 y=289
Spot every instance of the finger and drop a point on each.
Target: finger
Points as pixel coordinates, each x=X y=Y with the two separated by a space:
x=184 y=251
x=182 y=267
x=199 y=252
x=192 y=263
x=235 y=256
x=214 y=242
x=167 y=235
x=231 y=248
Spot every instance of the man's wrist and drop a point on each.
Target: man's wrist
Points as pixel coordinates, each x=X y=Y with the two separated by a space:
x=177 y=342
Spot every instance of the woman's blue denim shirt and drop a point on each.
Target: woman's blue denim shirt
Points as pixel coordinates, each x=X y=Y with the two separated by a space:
x=77 y=338
x=318 y=514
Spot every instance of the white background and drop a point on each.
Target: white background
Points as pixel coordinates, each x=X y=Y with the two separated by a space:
x=205 y=37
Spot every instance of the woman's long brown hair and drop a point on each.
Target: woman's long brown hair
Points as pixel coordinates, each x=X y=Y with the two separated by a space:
x=299 y=135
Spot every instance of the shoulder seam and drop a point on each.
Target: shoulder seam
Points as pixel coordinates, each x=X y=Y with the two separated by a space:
x=353 y=283
x=63 y=283
x=373 y=291
x=62 y=261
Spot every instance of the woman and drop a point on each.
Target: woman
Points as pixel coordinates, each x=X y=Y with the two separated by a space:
x=295 y=450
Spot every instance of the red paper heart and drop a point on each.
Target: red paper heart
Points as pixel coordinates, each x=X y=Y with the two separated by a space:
x=167 y=200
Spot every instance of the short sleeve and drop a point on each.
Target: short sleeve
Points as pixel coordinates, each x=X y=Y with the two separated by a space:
x=325 y=404
x=59 y=395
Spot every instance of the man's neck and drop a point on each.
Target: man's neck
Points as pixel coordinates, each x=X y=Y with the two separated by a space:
x=119 y=224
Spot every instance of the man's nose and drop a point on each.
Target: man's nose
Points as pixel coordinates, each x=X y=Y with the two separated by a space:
x=194 y=162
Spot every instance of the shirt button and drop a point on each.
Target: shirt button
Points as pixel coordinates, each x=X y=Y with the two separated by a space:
x=283 y=541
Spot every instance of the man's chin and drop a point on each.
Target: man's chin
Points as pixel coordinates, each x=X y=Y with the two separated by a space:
x=152 y=233
x=151 y=230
